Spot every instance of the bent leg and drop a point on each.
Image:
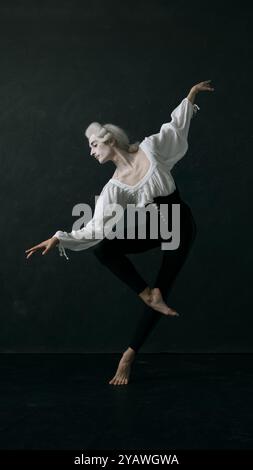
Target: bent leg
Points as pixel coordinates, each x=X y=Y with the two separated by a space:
x=171 y=265
x=112 y=254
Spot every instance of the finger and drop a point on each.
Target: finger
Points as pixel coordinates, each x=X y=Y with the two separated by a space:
x=47 y=249
x=30 y=254
x=33 y=248
x=206 y=83
x=30 y=249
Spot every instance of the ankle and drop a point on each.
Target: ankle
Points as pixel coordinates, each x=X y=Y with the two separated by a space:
x=146 y=293
x=129 y=352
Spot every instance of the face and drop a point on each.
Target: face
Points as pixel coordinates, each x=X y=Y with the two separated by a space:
x=99 y=150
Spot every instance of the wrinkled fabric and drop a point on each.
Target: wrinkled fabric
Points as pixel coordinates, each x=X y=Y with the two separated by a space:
x=163 y=150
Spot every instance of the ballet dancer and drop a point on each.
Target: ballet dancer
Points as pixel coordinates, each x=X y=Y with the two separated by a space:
x=142 y=178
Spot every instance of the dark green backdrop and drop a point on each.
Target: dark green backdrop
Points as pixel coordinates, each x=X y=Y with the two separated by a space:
x=67 y=63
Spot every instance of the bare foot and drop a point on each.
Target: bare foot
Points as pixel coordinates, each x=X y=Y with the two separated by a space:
x=153 y=298
x=124 y=368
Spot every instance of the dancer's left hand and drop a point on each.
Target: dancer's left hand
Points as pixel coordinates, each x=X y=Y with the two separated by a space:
x=203 y=86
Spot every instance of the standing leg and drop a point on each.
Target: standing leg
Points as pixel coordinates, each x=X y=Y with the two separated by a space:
x=172 y=263
x=112 y=254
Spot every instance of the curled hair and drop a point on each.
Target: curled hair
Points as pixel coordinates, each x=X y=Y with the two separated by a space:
x=106 y=132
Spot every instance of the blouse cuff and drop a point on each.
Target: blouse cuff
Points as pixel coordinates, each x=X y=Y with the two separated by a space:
x=62 y=251
x=60 y=246
x=195 y=109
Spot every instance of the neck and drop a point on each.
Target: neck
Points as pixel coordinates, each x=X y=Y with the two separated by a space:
x=122 y=160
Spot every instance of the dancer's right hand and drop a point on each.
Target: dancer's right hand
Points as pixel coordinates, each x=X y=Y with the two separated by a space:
x=47 y=245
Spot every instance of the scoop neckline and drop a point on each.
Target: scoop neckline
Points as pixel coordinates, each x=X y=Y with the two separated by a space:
x=145 y=177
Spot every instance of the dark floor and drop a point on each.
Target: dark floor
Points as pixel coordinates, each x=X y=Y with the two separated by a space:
x=179 y=401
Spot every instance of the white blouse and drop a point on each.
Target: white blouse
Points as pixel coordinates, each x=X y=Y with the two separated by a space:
x=163 y=150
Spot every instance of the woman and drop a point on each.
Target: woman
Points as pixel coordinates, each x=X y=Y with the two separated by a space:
x=142 y=176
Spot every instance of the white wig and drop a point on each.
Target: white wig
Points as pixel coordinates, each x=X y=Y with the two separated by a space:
x=106 y=132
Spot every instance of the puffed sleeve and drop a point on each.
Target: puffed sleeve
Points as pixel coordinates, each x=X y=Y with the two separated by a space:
x=109 y=209
x=170 y=143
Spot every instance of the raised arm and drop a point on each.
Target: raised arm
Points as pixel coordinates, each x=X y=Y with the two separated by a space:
x=171 y=143
x=202 y=86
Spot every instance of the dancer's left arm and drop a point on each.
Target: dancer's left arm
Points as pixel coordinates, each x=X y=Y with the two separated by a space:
x=171 y=142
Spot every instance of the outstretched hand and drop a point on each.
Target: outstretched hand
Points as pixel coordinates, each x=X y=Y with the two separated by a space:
x=47 y=245
x=203 y=86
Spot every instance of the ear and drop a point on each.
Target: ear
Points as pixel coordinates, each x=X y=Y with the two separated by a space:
x=112 y=141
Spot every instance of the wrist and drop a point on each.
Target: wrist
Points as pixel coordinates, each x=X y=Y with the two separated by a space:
x=192 y=94
x=194 y=90
x=56 y=240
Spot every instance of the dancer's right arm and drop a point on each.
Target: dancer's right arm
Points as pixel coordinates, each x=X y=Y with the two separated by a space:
x=45 y=246
x=109 y=209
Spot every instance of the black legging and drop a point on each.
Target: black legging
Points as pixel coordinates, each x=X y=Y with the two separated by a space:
x=112 y=253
